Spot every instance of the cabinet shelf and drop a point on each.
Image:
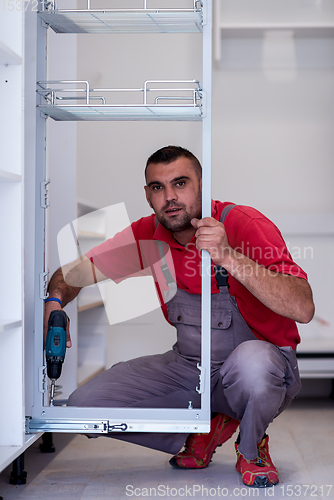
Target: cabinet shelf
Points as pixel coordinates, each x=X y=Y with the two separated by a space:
x=125 y=20
x=256 y=18
x=8 y=56
x=321 y=367
x=258 y=30
x=9 y=324
x=316 y=347
x=91 y=235
x=6 y=176
x=90 y=305
x=89 y=298
x=122 y=113
x=177 y=100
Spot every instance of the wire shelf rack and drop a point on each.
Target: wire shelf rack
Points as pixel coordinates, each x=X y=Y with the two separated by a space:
x=74 y=100
x=141 y=20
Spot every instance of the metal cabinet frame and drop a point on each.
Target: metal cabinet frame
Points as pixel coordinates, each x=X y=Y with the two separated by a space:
x=104 y=420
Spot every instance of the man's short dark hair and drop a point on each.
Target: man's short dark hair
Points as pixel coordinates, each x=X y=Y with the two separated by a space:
x=168 y=154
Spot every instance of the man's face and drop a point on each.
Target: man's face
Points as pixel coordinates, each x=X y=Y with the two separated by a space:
x=174 y=192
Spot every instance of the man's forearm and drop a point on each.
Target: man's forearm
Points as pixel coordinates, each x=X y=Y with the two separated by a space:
x=59 y=289
x=68 y=280
x=286 y=295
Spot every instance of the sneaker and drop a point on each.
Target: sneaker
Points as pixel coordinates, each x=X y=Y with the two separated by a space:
x=199 y=448
x=260 y=472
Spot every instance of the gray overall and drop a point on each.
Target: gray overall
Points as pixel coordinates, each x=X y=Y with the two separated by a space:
x=251 y=380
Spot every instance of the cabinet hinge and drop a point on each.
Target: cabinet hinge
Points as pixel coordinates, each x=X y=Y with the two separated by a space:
x=45 y=194
x=42 y=380
x=200 y=389
x=43 y=284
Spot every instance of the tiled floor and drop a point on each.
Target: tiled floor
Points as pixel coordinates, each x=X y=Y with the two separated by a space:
x=302 y=446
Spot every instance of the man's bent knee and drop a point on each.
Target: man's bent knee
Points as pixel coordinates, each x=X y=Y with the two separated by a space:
x=254 y=364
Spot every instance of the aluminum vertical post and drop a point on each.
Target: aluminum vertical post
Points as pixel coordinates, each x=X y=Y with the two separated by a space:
x=206 y=201
x=40 y=217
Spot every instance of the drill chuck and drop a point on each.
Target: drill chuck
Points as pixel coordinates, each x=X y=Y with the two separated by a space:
x=54 y=369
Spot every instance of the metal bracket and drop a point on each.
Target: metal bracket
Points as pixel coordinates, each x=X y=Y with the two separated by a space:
x=203 y=107
x=43 y=283
x=49 y=5
x=33 y=426
x=201 y=389
x=118 y=427
x=45 y=194
x=42 y=381
x=204 y=14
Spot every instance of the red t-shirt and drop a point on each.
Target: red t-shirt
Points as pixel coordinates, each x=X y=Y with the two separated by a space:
x=134 y=252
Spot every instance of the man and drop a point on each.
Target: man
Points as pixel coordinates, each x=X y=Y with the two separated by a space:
x=254 y=374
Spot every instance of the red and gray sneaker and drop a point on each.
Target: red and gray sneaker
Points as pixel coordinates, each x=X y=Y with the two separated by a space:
x=199 y=448
x=260 y=472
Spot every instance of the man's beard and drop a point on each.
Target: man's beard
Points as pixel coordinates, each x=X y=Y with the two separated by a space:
x=180 y=223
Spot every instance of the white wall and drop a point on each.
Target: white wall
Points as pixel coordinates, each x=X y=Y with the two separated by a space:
x=273 y=123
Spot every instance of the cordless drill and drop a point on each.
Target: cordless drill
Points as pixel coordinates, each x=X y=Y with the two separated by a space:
x=55 y=347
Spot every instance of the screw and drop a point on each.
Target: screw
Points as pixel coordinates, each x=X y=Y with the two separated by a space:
x=43 y=413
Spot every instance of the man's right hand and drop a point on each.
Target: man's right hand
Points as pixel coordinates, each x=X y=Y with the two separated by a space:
x=48 y=308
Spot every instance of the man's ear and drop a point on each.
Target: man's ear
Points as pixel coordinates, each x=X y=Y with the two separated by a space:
x=147 y=197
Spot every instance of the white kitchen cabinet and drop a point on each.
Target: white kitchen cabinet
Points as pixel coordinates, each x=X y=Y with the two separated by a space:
x=13 y=440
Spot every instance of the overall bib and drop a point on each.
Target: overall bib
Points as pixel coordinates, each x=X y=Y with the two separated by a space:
x=251 y=380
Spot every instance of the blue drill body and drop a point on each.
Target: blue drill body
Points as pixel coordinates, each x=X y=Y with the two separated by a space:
x=55 y=348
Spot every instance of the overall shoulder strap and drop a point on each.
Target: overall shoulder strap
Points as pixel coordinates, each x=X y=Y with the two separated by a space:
x=165 y=270
x=226 y=211
x=220 y=272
